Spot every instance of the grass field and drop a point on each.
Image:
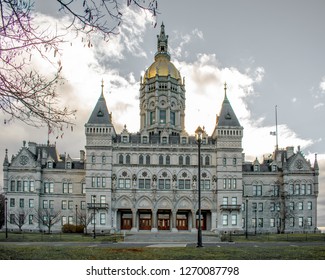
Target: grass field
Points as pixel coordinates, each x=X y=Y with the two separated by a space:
x=241 y=250
x=188 y=253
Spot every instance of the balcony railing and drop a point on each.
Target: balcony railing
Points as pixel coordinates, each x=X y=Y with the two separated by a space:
x=97 y=205
x=230 y=207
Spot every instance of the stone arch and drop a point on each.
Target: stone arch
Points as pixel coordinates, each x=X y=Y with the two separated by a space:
x=164 y=203
x=184 y=203
x=124 y=202
x=144 y=202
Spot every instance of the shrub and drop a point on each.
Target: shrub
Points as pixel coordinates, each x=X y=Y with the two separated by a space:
x=70 y=228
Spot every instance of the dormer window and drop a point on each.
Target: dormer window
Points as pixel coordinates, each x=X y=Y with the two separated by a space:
x=69 y=165
x=50 y=164
x=256 y=168
x=164 y=140
x=274 y=167
x=144 y=139
x=124 y=139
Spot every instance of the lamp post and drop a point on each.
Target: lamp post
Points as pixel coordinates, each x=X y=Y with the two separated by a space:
x=6 y=216
x=76 y=217
x=198 y=135
x=94 y=215
x=246 y=220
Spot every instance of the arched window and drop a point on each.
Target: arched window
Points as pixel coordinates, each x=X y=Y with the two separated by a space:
x=188 y=160
x=180 y=160
x=128 y=159
x=168 y=159
x=120 y=159
x=161 y=159
x=207 y=160
x=141 y=159
x=147 y=160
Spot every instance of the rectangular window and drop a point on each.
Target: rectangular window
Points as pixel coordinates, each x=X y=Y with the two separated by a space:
x=93 y=182
x=162 y=116
x=63 y=220
x=172 y=118
x=292 y=221
x=303 y=189
x=103 y=182
x=253 y=222
x=102 y=199
x=12 y=186
x=229 y=183
x=254 y=206
x=12 y=218
x=45 y=204
x=309 y=189
x=12 y=202
x=70 y=220
x=234 y=183
x=260 y=206
x=205 y=184
x=25 y=186
x=301 y=221
x=272 y=206
x=275 y=190
x=260 y=222
x=31 y=203
x=297 y=190
x=291 y=189
x=224 y=183
x=30 y=219
x=102 y=218
x=64 y=204
x=300 y=206
x=224 y=219
x=21 y=203
x=98 y=182
x=70 y=204
x=234 y=200
x=225 y=201
x=309 y=205
x=51 y=204
x=234 y=220
x=83 y=188
x=31 y=186
x=19 y=187
x=257 y=190
x=309 y=221
x=292 y=205
x=272 y=222
x=152 y=118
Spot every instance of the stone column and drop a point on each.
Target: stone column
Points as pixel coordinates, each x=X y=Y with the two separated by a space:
x=154 y=227
x=134 y=220
x=193 y=229
x=174 y=215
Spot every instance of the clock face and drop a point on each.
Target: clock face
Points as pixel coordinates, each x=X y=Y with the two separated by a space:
x=23 y=160
x=299 y=164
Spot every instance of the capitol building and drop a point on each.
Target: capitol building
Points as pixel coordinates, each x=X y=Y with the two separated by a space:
x=149 y=181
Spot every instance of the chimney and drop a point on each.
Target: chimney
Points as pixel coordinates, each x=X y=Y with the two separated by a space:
x=290 y=152
x=82 y=155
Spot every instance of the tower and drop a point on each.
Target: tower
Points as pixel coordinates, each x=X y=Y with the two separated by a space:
x=228 y=134
x=100 y=134
x=162 y=95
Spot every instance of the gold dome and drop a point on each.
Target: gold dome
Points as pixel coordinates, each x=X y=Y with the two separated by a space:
x=162 y=67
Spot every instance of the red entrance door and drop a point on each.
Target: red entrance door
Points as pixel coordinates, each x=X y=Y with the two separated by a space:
x=126 y=221
x=145 y=221
x=203 y=221
x=181 y=222
x=163 y=222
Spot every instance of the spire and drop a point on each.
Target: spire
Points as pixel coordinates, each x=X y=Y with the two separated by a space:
x=102 y=94
x=316 y=163
x=225 y=88
x=162 y=44
x=6 y=161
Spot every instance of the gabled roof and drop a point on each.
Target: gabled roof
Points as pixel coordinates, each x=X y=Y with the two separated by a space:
x=227 y=116
x=100 y=114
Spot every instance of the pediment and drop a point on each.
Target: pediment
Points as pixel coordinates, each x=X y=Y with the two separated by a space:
x=299 y=163
x=24 y=158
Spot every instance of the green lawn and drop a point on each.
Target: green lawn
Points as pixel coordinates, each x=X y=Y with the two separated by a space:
x=189 y=253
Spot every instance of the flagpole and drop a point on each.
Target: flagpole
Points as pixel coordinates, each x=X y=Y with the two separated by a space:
x=276 y=127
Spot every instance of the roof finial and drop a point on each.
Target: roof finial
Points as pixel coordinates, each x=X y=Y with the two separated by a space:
x=102 y=94
x=225 y=88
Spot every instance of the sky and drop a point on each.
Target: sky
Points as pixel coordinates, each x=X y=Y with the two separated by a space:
x=270 y=53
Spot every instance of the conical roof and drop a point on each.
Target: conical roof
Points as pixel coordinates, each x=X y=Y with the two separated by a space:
x=227 y=116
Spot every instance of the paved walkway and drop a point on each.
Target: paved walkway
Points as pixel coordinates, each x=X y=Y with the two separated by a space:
x=169 y=237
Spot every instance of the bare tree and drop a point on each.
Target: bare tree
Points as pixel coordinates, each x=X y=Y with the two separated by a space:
x=84 y=219
x=19 y=217
x=26 y=93
x=48 y=217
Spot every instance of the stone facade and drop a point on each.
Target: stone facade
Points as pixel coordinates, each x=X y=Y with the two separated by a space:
x=149 y=180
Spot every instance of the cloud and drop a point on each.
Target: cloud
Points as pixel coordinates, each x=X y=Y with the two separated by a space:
x=322 y=85
x=318 y=105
